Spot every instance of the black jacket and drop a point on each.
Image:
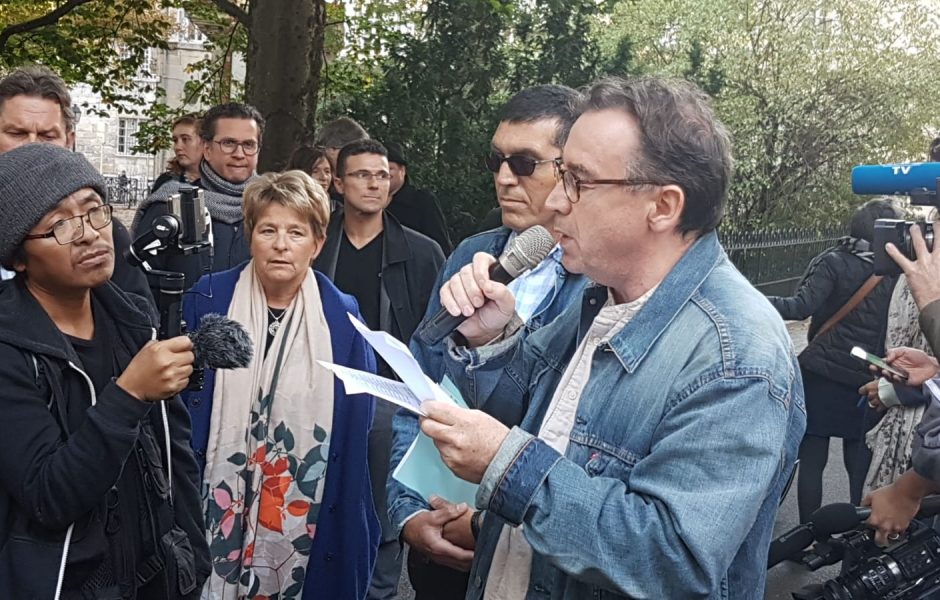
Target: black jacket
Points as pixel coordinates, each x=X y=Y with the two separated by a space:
x=419 y=210
x=410 y=262
x=229 y=247
x=830 y=281
x=64 y=459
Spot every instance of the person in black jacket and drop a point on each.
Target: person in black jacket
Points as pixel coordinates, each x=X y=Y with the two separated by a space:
x=98 y=484
x=414 y=208
x=390 y=270
x=231 y=135
x=831 y=376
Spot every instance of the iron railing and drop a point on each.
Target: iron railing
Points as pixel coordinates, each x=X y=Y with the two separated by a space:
x=774 y=260
x=130 y=194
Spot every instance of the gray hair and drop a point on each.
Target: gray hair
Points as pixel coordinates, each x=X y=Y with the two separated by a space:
x=682 y=142
x=39 y=82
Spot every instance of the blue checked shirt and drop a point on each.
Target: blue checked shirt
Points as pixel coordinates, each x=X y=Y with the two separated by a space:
x=532 y=286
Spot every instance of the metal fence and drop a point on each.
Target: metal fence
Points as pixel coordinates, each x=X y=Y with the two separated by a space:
x=774 y=260
x=130 y=194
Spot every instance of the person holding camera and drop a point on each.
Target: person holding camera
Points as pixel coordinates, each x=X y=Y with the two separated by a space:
x=848 y=306
x=98 y=484
x=894 y=506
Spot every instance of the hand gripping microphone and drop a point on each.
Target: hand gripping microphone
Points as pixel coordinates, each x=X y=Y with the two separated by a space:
x=528 y=250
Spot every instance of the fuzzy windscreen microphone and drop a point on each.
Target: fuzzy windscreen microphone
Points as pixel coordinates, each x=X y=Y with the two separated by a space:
x=221 y=343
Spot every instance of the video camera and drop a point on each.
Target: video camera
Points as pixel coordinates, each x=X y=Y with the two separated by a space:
x=920 y=182
x=908 y=569
x=172 y=254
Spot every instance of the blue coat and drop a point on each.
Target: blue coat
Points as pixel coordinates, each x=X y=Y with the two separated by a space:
x=344 y=548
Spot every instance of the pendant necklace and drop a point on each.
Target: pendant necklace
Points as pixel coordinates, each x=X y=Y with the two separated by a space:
x=274 y=325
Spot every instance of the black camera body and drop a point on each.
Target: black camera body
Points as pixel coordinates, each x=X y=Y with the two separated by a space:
x=180 y=240
x=907 y=570
x=898 y=232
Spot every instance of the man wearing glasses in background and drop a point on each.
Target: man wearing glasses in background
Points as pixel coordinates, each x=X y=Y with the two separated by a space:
x=231 y=135
x=390 y=270
x=532 y=130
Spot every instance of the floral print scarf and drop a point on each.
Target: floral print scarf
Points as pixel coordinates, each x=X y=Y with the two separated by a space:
x=268 y=449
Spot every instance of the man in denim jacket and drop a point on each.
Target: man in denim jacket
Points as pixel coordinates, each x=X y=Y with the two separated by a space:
x=532 y=130
x=662 y=413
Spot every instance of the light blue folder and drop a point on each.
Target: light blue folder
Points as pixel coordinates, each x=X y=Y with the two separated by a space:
x=423 y=470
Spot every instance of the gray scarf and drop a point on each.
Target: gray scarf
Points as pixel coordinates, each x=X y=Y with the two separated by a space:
x=223 y=198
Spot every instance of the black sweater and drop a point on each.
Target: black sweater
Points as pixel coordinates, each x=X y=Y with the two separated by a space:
x=63 y=456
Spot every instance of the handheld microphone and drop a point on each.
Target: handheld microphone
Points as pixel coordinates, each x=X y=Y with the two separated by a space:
x=895 y=179
x=528 y=250
x=221 y=343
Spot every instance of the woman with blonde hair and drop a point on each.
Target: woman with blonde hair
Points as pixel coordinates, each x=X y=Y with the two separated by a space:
x=288 y=500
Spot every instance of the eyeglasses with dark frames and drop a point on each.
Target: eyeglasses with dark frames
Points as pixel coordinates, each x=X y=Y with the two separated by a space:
x=228 y=146
x=572 y=183
x=72 y=229
x=520 y=165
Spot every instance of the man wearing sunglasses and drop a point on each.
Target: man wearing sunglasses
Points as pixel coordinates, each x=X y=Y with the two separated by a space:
x=532 y=129
x=661 y=415
x=231 y=135
x=99 y=489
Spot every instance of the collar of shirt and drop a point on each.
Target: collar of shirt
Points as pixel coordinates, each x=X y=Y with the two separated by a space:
x=531 y=288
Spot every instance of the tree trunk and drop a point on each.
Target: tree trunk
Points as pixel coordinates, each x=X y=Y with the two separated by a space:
x=283 y=72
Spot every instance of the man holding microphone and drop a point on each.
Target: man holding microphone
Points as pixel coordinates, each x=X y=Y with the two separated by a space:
x=662 y=413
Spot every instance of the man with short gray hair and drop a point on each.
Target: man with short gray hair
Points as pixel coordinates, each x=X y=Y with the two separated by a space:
x=35 y=106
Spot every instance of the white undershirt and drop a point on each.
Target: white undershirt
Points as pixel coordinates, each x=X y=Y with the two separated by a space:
x=511 y=566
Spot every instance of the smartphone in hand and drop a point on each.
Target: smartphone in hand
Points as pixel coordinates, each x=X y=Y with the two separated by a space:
x=871 y=359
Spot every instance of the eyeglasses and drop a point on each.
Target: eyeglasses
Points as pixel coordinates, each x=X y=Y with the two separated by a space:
x=228 y=146
x=520 y=165
x=72 y=229
x=573 y=183
x=379 y=176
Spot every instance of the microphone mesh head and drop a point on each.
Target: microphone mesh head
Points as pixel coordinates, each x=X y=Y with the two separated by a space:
x=221 y=343
x=528 y=249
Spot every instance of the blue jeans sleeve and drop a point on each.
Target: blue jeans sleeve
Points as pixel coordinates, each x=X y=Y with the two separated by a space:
x=683 y=509
x=403 y=502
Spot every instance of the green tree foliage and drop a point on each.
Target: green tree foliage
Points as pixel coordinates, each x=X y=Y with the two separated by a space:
x=807 y=88
x=100 y=43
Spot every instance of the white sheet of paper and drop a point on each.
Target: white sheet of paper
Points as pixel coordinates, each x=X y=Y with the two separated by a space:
x=360 y=382
x=399 y=358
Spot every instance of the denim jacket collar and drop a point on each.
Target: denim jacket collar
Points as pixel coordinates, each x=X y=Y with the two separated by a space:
x=634 y=341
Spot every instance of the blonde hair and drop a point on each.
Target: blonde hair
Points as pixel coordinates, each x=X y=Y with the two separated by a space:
x=291 y=189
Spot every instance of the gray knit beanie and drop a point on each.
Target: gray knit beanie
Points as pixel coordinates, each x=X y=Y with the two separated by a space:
x=33 y=180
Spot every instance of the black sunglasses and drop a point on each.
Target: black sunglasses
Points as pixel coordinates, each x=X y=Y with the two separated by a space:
x=521 y=166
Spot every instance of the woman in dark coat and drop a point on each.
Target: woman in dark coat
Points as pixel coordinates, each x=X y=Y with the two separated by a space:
x=831 y=376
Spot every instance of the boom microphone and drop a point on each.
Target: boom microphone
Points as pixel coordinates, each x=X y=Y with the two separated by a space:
x=528 y=250
x=838 y=518
x=895 y=179
x=824 y=522
x=221 y=343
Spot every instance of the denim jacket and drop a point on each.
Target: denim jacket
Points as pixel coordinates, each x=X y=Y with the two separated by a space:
x=683 y=441
x=403 y=502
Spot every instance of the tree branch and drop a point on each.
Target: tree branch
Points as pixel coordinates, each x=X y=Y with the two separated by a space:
x=235 y=11
x=43 y=21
